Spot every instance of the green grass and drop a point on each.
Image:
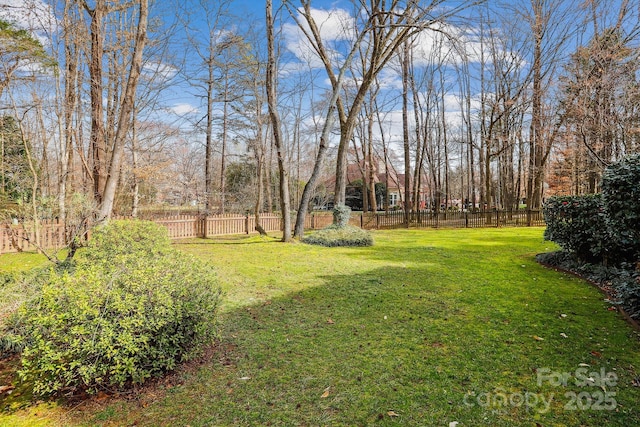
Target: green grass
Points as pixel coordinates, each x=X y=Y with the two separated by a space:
x=20 y=261
x=414 y=326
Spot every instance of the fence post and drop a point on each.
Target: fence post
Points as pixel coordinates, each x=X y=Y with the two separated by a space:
x=497 y=218
x=203 y=226
x=528 y=217
x=466 y=219
x=246 y=222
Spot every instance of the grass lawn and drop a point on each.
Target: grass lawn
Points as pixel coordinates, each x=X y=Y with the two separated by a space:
x=423 y=329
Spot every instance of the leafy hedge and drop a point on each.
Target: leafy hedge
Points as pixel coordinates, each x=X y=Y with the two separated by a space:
x=577 y=224
x=131 y=308
x=621 y=202
x=600 y=234
x=600 y=228
x=621 y=282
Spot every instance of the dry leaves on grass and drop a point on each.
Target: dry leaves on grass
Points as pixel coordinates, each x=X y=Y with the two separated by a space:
x=6 y=389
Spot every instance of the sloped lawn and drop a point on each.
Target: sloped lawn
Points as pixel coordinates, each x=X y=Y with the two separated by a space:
x=425 y=328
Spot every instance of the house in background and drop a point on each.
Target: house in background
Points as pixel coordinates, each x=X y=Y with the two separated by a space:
x=389 y=185
x=395 y=191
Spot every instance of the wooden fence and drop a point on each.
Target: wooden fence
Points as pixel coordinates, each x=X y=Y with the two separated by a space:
x=428 y=219
x=20 y=237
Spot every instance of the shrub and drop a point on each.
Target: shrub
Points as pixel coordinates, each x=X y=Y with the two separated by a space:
x=346 y=235
x=621 y=282
x=120 y=241
x=626 y=285
x=17 y=288
x=621 y=202
x=577 y=224
x=132 y=308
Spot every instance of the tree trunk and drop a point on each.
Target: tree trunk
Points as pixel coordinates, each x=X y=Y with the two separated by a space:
x=275 y=121
x=126 y=110
x=98 y=145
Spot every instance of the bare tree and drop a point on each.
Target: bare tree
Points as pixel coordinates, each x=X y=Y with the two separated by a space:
x=600 y=93
x=106 y=172
x=384 y=26
x=271 y=84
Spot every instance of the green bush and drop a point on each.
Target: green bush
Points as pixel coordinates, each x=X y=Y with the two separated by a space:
x=577 y=224
x=346 y=235
x=131 y=309
x=603 y=233
x=621 y=202
x=17 y=288
x=621 y=282
x=122 y=240
x=626 y=285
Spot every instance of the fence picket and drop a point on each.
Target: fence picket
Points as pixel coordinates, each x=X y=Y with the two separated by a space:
x=52 y=233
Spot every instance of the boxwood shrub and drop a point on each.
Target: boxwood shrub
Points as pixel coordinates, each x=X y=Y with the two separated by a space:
x=131 y=308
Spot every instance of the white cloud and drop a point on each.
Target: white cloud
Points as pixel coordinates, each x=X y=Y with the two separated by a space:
x=446 y=43
x=183 y=109
x=335 y=26
x=159 y=70
x=34 y=16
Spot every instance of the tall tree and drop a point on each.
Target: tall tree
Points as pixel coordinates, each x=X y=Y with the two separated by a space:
x=125 y=105
x=123 y=25
x=601 y=91
x=271 y=84
x=550 y=25
x=18 y=49
x=384 y=26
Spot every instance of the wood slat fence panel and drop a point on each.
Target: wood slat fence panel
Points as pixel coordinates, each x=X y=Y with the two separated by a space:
x=53 y=234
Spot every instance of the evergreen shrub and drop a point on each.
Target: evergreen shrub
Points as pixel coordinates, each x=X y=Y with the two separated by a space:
x=621 y=202
x=131 y=308
x=333 y=235
x=577 y=224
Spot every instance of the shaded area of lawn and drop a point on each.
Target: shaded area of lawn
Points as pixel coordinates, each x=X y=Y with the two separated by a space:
x=424 y=328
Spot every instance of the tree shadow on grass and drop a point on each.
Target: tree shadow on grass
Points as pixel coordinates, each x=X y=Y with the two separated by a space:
x=387 y=346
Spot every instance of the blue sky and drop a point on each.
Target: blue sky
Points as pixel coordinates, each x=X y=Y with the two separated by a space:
x=299 y=63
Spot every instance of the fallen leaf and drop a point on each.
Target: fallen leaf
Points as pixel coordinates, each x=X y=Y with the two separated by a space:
x=596 y=354
x=330 y=321
x=563 y=315
x=392 y=414
x=563 y=335
x=5 y=388
x=537 y=338
x=326 y=393
x=244 y=378
x=584 y=365
x=453 y=424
